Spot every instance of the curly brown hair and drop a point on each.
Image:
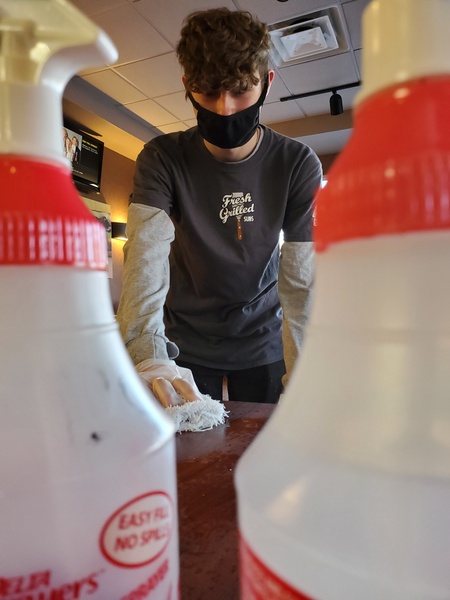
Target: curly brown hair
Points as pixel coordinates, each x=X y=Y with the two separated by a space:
x=220 y=48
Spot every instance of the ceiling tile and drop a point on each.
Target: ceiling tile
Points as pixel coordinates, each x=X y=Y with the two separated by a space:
x=353 y=14
x=134 y=38
x=271 y=11
x=151 y=112
x=272 y=112
x=154 y=76
x=359 y=58
x=112 y=84
x=173 y=127
x=88 y=7
x=315 y=105
x=169 y=22
x=278 y=89
x=177 y=104
x=320 y=74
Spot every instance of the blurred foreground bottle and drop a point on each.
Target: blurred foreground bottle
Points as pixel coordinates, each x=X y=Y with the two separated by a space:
x=88 y=505
x=345 y=494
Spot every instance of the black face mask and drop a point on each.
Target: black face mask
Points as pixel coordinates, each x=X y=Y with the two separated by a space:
x=230 y=131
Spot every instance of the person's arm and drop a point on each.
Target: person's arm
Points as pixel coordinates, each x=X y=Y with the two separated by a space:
x=145 y=283
x=296 y=271
x=295 y=283
x=140 y=314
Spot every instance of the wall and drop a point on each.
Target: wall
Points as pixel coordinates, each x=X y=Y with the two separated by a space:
x=116 y=186
x=327 y=160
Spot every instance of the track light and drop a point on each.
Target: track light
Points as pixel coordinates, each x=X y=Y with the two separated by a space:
x=336 y=107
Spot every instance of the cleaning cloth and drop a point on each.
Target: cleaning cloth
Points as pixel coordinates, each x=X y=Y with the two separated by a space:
x=175 y=389
x=198 y=415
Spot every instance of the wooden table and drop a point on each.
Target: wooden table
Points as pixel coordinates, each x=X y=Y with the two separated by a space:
x=207 y=502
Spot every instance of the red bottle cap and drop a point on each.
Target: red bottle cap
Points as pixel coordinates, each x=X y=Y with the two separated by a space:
x=393 y=176
x=42 y=219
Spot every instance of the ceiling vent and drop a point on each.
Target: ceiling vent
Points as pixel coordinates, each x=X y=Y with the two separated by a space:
x=307 y=37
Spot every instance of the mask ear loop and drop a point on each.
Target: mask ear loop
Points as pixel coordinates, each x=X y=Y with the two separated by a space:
x=195 y=104
x=264 y=92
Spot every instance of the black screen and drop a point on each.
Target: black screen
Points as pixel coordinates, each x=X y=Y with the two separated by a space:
x=85 y=154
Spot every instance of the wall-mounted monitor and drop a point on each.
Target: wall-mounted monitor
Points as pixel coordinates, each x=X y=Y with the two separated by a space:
x=85 y=153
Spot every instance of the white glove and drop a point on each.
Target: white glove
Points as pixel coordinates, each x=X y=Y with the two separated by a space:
x=172 y=385
x=175 y=389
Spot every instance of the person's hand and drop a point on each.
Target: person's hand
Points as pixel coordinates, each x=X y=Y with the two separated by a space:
x=172 y=385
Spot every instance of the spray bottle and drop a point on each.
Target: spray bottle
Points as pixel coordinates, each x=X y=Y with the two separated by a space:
x=345 y=494
x=88 y=505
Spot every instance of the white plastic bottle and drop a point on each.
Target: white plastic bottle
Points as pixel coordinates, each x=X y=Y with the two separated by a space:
x=345 y=494
x=88 y=504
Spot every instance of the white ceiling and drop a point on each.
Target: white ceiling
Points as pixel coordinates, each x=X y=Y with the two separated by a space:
x=142 y=94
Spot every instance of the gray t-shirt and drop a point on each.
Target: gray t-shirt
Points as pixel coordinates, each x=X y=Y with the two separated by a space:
x=222 y=309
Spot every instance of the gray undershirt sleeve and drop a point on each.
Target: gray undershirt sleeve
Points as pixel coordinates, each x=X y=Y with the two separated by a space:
x=146 y=278
x=295 y=282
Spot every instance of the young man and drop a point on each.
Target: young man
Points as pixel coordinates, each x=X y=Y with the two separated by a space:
x=216 y=198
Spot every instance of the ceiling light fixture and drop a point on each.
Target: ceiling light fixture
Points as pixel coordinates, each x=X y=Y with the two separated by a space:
x=336 y=105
